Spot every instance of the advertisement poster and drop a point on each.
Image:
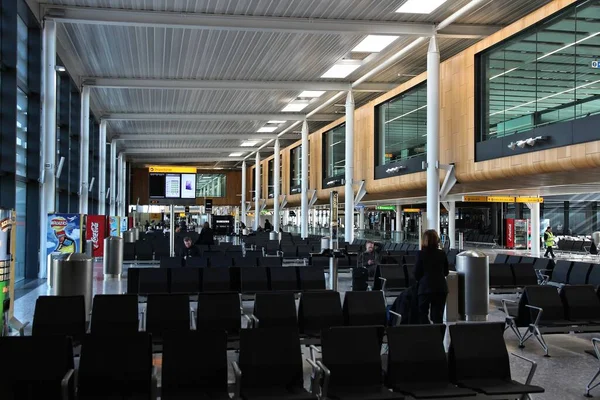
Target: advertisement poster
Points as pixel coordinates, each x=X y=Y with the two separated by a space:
x=114 y=226
x=123 y=225
x=96 y=232
x=510 y=233
x=63 y=233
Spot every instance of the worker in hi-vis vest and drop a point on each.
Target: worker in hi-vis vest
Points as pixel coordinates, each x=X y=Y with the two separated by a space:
x=549 y=241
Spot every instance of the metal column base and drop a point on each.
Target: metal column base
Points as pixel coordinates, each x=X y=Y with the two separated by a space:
x=112 y=276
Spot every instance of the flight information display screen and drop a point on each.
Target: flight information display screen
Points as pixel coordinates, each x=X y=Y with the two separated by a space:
x=157 y=186
x=173 y=186
x=188 y=186
x=171 y=183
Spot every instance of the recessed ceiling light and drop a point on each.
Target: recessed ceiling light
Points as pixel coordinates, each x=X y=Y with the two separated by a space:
x=250 y=143
x=340 y=70
x=267 y=129
x=420 y=6
x=60 y=68
x=236 y=154
x=312 y=93
x=275 y=122
x=295 y=106
x=374 y=43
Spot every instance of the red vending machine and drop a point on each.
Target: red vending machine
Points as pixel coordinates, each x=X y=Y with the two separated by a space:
x=516 y=236
x=96 y=232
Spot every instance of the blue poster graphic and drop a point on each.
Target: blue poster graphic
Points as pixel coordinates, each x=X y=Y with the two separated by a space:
x=114 y=226
x=123 y=224
x=63 y=233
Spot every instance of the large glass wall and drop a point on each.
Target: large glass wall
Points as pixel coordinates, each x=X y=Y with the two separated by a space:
x=543 y=75
x=334 y=154
x=211 y=185
x=401 y=126
x=296 y=168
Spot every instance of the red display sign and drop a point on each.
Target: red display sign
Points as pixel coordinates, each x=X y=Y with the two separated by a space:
x=510 y=233
x=96 y=232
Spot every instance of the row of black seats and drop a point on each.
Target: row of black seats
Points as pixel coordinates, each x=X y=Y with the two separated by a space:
x=511 y=277
x=544 y=309
x=514 y=259
x=147 y=250
x=218 y=259
x=574 y=273
x=577 y=246
x=247 y=280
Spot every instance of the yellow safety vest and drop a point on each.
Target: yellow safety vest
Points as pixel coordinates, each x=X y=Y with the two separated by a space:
x=550 y=239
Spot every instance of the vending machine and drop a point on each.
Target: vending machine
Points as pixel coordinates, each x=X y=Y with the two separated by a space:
x=96 y=232
x=516 y=233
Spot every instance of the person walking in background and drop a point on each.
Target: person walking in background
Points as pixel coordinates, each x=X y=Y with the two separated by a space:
x=549 y=242
x=268 y=226
x=430 y=272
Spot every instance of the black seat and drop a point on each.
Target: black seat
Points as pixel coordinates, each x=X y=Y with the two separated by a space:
x=560 y=273
x=115 y=314
x=197 y=262
x=275 y=310
x=219 y=311
x=579 y=273
x=254 y=279
x=59 y=316
x=170 y=262
x=501 y=259
x=513 y=259
x=116 y=367
x=543 y=263
x=37 y=367
x=547 y=298
x=581 y=303
x=143 y=250
x=352 y=355
x=417 y=364
x=501 y=276
x=364 y=308
x=162 y=249
x=524 y=275
x=194 y=366
x=153 y=280
x=409 y=259
x=311 y=278
x=185 y=280
x=247 y=261
x=319 y=310
x=284 y=279
x=527 y=260
x=128 y=251
x=304 y=250
x=269 y=374
x=216 y=280
x=269 y=261
x=594 y=276
x=221 y=260
x=272 y=247
x=167 y=313
x=483 y=365
x=393 y=275
x=289 y=250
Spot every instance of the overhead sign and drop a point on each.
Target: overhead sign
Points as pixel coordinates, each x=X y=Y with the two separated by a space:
x=386 y=208
x=208 y=205
x=412 y=210
x=595 y=64
x=529 y=199
x=475 y=199
x=166 y=169
x=502 y=199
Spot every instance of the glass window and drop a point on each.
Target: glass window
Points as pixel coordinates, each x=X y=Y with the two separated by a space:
x=271 y=188
x=21 y=245
x=22 y=50
x=21 y=133
x=211 y=185
x=334 y=151
x=401 y=126
x=544 y=75
x=296 y=168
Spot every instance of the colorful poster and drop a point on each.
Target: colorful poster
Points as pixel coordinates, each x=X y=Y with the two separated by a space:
x=114 y=226
x=123 y=225
x=63 y=233
x=96 y=232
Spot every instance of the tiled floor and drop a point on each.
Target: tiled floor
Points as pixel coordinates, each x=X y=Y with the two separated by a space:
x=563 y=375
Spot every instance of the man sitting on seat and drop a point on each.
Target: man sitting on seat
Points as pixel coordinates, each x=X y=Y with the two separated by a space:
x=370 y=258
x=188 y=249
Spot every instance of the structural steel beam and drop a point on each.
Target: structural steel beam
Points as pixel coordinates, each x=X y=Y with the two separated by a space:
x=215 y=117
x=194 y=84
x=179 y=160
x=457 y=31
x=199 y=135
x=182 y=150
x=158 y=19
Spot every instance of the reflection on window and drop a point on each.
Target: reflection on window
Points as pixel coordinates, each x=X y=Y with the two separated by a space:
x=22 y=50
x=211 y=185
x=20 y=209
x=335 y=151
x=543 y=75
x=21 y=133
x=271 y=187
x=296 y=167
x=402 y=126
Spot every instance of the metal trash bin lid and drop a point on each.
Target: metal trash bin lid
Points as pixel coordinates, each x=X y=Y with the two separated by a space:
x=78 y=257
x=472 y=253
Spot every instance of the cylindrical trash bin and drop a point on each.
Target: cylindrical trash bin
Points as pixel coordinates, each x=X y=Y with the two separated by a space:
x=113 y=257
x=73 y=276
x=325 y=244
x=474 y=287
x=596 y=238
x=128 y=236
x=89 y=248
x=51 y=263
x=136 y=234
x=245 y=232
x=451 y=313
x=273 y=235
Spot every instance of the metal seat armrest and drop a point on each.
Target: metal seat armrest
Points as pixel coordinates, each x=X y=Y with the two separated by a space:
x=312 y=350
x=154 y=384
x=326 y=375
x=255 y=320
x=397 y=315
x=237 y=372
x=595 y=342
x=143 y=320
x=539 y=314
x=505 y=308
x=531 y=370
x=316 y=374
x=193 y=318
x=65 y=385
x=20 y=327
x=383 y=282
x=250 y=321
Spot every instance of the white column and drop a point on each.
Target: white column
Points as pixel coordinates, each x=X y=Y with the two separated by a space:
x=113 y=176
x=349 y=192
x=124 y=189
x=361 y=218
x=276 y=180
x=535 y=228
x=48 y=142
x=399 y=213
x=243 y=213
x=257 y=191
x=452 y=223
x=102 y=170
x=304 y=178
x=120 y=178
x=84 y=156
x=433 y=136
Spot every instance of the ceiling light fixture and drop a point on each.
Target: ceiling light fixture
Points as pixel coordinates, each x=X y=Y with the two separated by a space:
x=249 y=143
x=512 y=145
x=275 y=122
x=420 y=6
x=60 y=68
x=341 y=69
x=267 y=129
x=521 y=143
x=313 y=94
x=374 y=43
x=295 y=106
x=236 y=154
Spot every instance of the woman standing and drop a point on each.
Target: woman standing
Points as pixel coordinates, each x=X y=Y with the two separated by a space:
x=431 y=271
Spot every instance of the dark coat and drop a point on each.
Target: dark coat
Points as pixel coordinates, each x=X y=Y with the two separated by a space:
x=207 y=236
x=431 y=271
x=192 y=251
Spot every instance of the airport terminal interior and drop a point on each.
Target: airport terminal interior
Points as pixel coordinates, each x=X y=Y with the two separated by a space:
x=215 y=199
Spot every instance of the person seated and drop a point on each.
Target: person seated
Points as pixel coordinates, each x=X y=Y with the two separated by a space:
x=268 y=226
x=188 y=249
x=370 y=258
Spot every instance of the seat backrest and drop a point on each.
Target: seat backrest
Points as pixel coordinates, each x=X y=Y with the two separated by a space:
x=394 y=274
x=37 y=366
x=194 y=361
x=364 y=308
x=216 y=280
x=248 y=261
x=560 y=273
x=501 y=259
x=594 y=277
x=115 y=314
x=115 y=366
x=143 y=250
x=471 y=358
x=501 y=275
x=524 y=274
x=289 y=250
x=527 y=260
x=154 y=280
x=319 y=310
x=133 y=280
x=275 y=310
x=254 y=279
x=579 y=273
x=352 y=354
x=269 y=262
x=452 y=256
x=305 y=250
x=543 y=263
x=416 y=354
x=581 y=302
x=283 y=278
x=311 y=278
x=59 y=316
x=185 y=280
x=221 y=260
x=547 y=298
x=170 y=262
x=253 y=253
x=271 y=357
x=128 y=251
x=513 y=259
x=197 y=262
x=219 y=311
x=409 y=259
x=166 y=313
